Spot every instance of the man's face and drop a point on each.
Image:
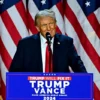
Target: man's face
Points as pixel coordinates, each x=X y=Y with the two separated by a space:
x=46 y=24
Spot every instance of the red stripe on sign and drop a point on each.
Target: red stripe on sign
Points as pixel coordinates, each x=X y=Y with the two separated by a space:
x=5 y=55
x=10 y=27
x=21 y=9
x=82 y=37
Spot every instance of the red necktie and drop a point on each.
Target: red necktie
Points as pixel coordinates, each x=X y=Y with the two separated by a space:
x=48 y=63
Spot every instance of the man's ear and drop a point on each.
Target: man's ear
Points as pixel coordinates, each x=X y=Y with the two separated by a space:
x=37 y=28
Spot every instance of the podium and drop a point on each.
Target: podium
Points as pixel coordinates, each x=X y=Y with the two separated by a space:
x=49 y=86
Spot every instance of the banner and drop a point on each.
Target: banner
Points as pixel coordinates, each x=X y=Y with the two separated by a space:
x=49 y=86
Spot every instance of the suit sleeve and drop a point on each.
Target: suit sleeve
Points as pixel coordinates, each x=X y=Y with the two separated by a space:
x=17 y=62
x=75 y=61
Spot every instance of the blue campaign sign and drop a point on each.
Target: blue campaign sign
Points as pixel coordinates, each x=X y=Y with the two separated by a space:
x=49 y=86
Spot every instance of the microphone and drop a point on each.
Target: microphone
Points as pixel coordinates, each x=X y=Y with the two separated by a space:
x=48 y=37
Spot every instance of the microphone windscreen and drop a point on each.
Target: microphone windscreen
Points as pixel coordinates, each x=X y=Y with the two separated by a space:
x=48 y=36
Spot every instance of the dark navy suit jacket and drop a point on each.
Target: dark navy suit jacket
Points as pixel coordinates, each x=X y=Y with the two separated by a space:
x=28 y=55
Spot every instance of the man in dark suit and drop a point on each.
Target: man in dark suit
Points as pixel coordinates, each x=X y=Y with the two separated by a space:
x=30 y=54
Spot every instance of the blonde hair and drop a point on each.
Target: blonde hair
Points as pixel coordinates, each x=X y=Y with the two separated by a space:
x=44 y=13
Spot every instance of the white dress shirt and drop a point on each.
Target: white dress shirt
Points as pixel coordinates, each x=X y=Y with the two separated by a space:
x=43 y=49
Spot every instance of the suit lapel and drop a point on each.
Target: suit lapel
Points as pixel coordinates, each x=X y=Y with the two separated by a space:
x=56 y=51
x=38 y=51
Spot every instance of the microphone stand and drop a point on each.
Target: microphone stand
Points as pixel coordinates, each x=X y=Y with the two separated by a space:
x=48 y=37
x=49 y=44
